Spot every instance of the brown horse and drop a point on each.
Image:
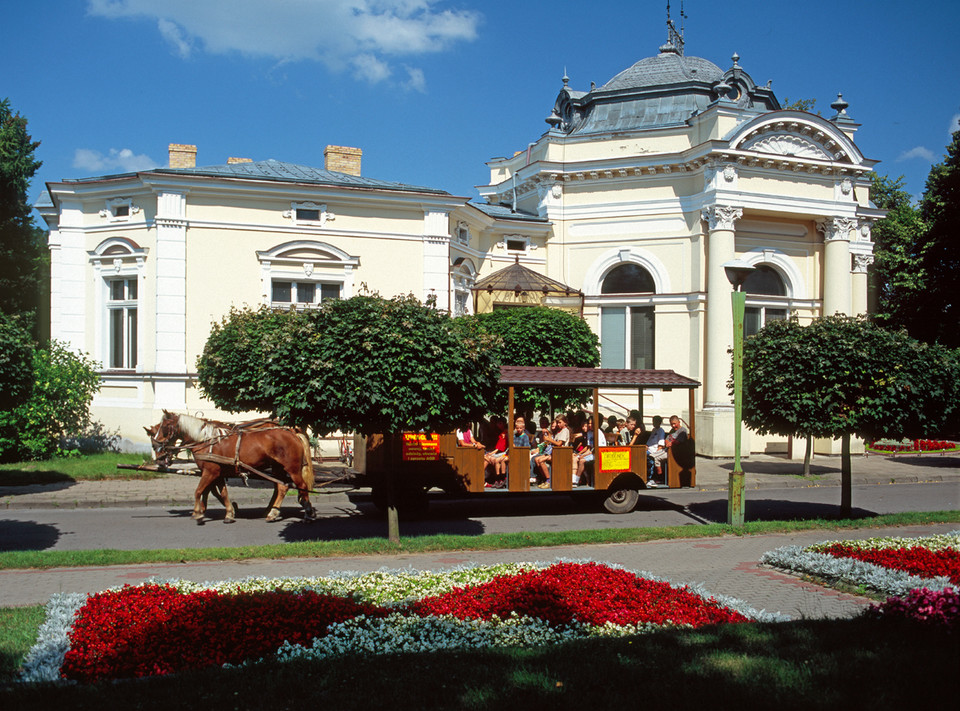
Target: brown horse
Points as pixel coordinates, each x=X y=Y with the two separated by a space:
x=162 y=455
x=285 y=453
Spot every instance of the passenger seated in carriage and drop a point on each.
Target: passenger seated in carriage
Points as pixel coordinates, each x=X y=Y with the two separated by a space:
x=656 y=453
x=560 y=437
x=583 y=446
x=494 y=466
x=520 y=439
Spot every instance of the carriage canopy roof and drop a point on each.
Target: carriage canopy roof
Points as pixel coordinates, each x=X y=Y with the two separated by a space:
x=594 y=377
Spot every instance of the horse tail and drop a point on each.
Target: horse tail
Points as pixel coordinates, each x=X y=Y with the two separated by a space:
x=306 y=468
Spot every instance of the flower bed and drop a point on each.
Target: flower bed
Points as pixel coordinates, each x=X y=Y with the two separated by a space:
x=914 y=446
x=891 y=566
x=163 y=627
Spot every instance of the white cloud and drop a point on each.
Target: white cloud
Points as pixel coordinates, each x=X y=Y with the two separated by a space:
x=121 y=160
x=918 y=152
x=415 y=80
x=358 y=34
x=172 y=34
x=954 y=124
x=366 y=66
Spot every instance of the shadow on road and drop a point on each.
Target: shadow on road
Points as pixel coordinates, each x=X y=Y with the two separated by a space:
x=27 y=536
x=715 y=511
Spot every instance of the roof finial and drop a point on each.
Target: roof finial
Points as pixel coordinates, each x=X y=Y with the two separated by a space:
x=565 y=79
x=674 y=39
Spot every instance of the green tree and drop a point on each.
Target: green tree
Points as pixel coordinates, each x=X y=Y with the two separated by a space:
x=538 y=336
x=58 y=405
x=231 y=368
x=799 y=105
x=16 y=362
x=21 y=245
x=898 y=238
x=843 y=376
x=371 y=365
x=937 y=313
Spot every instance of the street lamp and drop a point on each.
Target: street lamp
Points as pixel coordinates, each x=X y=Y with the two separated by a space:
x=737 y=271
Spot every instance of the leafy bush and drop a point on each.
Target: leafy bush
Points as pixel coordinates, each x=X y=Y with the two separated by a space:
x=64 y=384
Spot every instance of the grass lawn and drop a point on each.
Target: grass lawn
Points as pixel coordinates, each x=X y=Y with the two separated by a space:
x=90 y=467
x=807 y=664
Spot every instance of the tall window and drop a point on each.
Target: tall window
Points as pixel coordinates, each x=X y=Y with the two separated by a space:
x=122 y=322
x=766 y=299
x=627 y=331
x=304 y=293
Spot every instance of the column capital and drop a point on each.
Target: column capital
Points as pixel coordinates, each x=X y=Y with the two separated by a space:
x=721 y=217
x=836 y=228
x=861 y=262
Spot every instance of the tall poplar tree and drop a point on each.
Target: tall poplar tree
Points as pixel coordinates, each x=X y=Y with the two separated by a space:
x=21 y=247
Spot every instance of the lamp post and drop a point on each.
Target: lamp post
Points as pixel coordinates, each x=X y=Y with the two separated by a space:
x=737 y=271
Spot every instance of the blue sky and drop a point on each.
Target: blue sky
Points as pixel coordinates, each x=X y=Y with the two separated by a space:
x=431 y=89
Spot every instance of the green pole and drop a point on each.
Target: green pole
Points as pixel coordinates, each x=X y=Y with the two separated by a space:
x=735 y=503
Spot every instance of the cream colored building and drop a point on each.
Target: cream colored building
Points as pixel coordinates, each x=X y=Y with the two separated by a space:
x=636 y=195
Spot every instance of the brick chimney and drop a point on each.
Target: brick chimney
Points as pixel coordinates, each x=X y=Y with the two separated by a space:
x=342 y=159
x=182 y=155
x=231 y=160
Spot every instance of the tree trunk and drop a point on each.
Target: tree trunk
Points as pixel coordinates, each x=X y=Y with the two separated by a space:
x=807 y=456
x=845 y=477
x=392 y=461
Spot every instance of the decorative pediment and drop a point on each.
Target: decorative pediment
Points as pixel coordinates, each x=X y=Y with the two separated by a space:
x=788 y=144
x=794 y=134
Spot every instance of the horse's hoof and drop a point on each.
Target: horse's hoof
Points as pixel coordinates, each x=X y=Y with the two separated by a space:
x=274 y=515
x=229 y=520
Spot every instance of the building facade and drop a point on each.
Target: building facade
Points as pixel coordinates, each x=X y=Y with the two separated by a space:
x=635 y=196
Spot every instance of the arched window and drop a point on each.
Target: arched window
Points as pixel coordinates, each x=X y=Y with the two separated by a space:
x=628 y=279
x=626 y=329
x=118 y=263
x=766 y=292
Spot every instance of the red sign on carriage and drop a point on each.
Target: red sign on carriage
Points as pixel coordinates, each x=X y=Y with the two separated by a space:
x=420 y=447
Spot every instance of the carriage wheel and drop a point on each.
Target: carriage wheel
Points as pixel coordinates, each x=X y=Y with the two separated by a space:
x=622 y=500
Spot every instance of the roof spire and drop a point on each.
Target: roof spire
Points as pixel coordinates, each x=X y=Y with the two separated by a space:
x=674 y=38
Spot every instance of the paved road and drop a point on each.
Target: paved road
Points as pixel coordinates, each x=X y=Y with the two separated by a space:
x=155 y=514
x=128 y=528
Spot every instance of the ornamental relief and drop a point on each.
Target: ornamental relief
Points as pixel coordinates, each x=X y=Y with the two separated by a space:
x=786 y=144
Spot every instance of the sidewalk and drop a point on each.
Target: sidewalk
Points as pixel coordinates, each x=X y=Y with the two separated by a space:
x=762 y=471
x=724 y=566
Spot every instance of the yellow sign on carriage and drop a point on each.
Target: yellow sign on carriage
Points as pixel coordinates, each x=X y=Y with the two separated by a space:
x=614 y=459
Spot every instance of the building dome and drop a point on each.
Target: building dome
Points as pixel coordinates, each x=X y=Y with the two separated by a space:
x=666 y=68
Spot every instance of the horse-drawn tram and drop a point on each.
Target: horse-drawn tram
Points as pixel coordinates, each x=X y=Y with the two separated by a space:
x=415 y=463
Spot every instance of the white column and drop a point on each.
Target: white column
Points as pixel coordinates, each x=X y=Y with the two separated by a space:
x=860 y=284
x=836 y=271
x=436 y=258
x=720 y=249
x=171 y=297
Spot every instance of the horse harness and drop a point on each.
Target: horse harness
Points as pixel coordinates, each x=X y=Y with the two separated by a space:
x=240 y=467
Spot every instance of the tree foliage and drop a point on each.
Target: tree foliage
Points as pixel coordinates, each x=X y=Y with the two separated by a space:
x=843 y=376
x=898 y=269
x=364 y=364
x=538 y=336
x=16 y=362
x=21 y=246
x=937 y=313
x=846 y=376
x=232 y=366
x=58 y=405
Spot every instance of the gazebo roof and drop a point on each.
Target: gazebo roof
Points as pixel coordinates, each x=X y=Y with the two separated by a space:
x=517 y=278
